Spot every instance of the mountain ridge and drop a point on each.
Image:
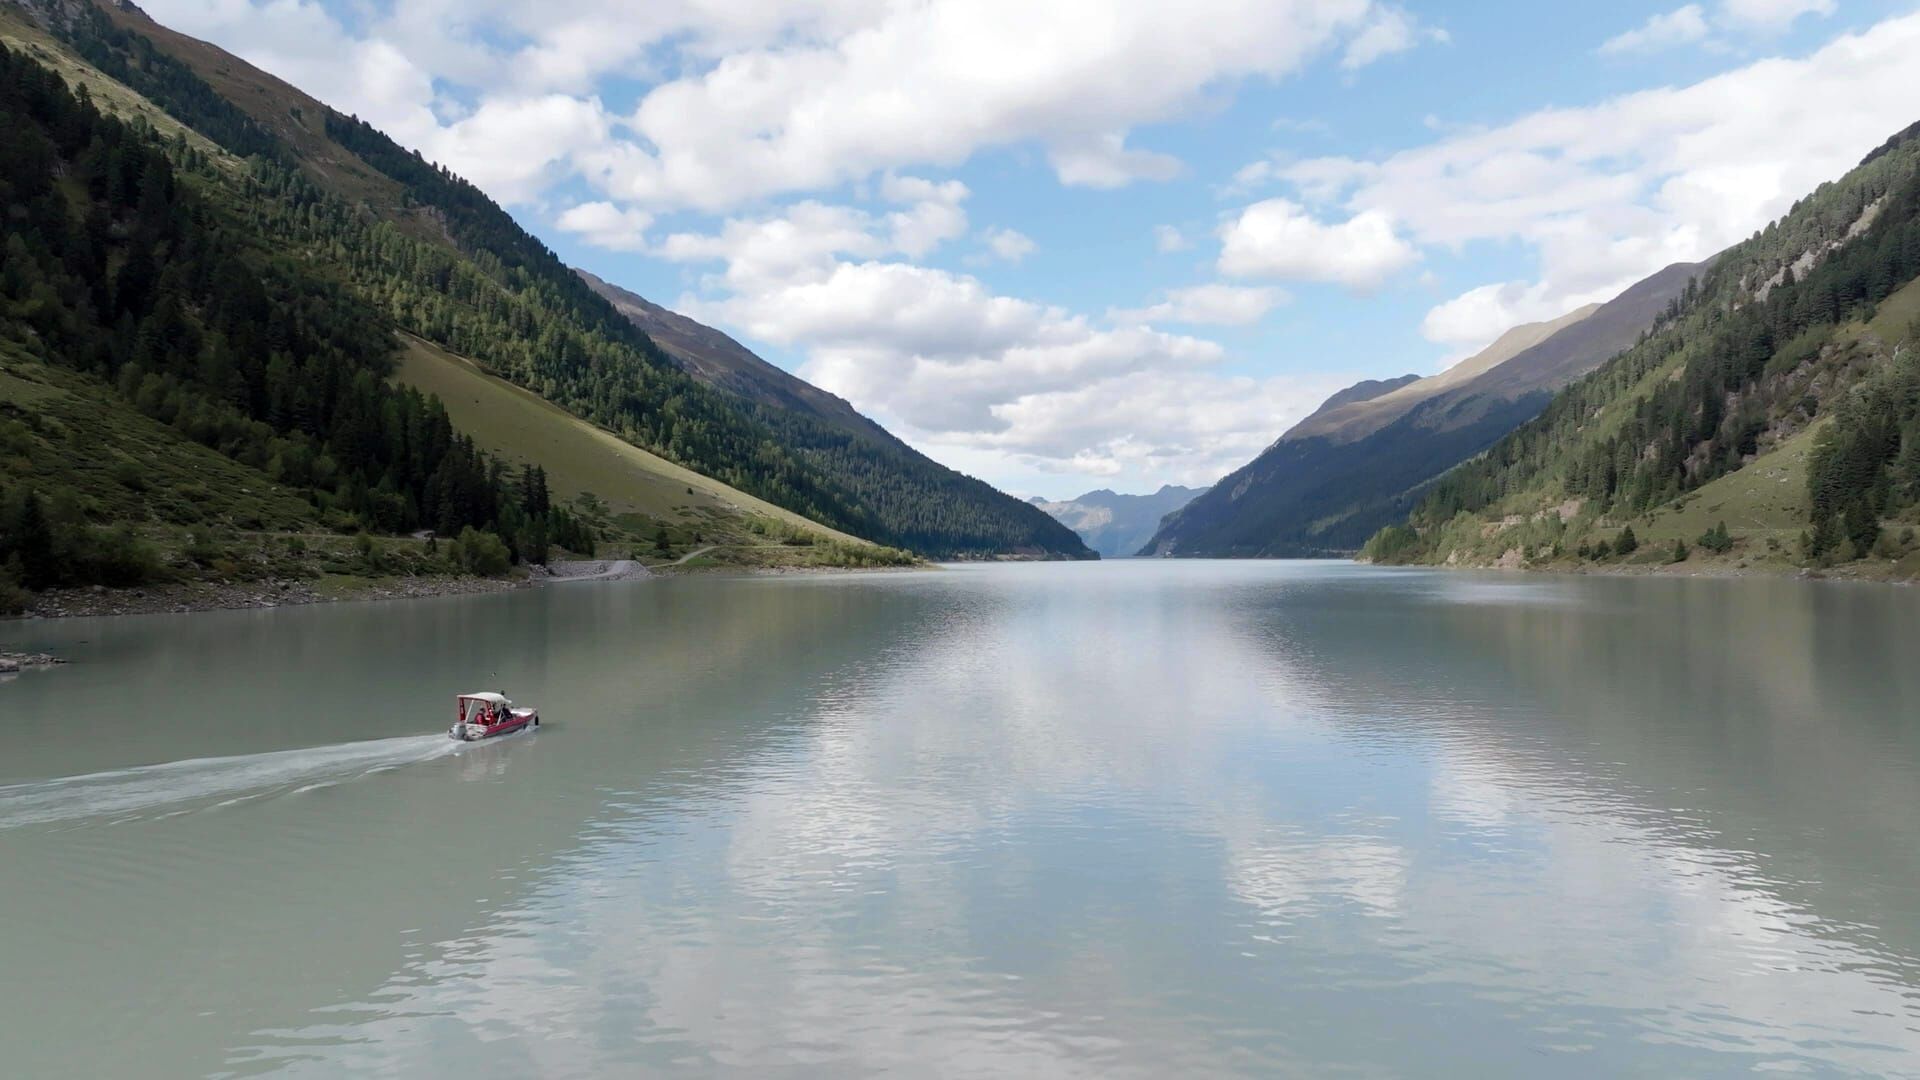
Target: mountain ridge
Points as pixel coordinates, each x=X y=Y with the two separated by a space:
x=1327 y=485
x=1345 y=419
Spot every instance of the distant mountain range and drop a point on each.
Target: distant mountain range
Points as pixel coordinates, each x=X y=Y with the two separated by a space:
x=1118 y=525
x=1363 y=458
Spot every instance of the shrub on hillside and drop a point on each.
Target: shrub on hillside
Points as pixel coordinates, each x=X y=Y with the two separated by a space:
x=479 y=552
x=114 y=556
x=1393 y=544
x=13 y=597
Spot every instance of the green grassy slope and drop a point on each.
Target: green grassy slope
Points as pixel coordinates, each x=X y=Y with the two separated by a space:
x=521 y=426
x=630 y=491
x=1896 y=313
x=69 y=432
x=193 y=518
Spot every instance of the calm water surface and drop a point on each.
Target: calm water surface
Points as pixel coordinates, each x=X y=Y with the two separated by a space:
x=1137 y=818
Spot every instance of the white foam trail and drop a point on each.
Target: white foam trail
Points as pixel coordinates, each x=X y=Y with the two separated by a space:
x=132 y=793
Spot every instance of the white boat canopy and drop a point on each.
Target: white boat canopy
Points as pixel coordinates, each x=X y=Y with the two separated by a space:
x=490 y=696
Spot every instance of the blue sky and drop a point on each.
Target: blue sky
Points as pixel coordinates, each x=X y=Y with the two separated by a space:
x=1118 y=244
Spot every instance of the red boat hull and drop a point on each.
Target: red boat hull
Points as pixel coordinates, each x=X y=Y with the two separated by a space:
x=477 y=731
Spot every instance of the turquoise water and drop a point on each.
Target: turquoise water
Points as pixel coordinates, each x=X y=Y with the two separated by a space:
x=1134 y=818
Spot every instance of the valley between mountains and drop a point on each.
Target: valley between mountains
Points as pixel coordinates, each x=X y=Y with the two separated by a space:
x=249 y=339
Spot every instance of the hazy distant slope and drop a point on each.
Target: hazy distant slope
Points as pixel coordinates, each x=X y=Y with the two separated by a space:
x=1579 y=348
x=1355 y=465
x=1118 y=525
x=1349 y=415
x=1364 y=390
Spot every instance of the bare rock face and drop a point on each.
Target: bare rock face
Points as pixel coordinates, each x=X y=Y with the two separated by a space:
x=58 y=14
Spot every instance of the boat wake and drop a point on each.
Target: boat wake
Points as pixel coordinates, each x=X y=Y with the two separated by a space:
x=179 y=786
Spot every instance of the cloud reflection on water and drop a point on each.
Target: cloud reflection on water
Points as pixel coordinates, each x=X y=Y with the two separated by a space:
x=1238 y=824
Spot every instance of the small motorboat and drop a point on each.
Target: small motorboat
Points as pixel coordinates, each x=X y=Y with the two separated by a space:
x=487 y=713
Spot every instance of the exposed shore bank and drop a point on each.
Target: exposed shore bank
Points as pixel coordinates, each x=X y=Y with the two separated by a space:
x=185 y=597
x=1865 y=571
x=287 y=592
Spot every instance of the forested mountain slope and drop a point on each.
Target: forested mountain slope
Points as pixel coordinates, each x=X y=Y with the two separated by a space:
x=142 y=312
x=437 y=258
x=920 y=496
x=1360 y=461
x=1793 y=369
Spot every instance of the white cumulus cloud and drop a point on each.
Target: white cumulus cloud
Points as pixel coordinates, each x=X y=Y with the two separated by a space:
x=606 y=225
x=1772 y=14
x=1606 y=194
x=744 y=100
x=1012 y=245
x=1218 y=305
x=1682 y=26
x=1692 y=24
x=1387 y=31
x=982 y=377
x=1281 y=239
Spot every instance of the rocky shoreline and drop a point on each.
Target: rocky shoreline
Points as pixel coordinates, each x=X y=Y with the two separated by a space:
x=1865 y=572
x=287 y=592
x=12 y=663
x=792 y=571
